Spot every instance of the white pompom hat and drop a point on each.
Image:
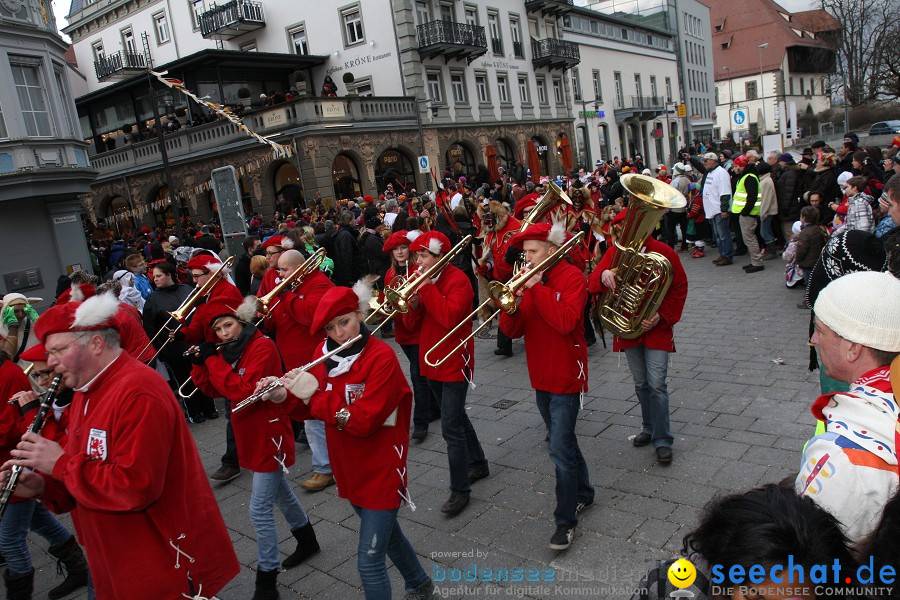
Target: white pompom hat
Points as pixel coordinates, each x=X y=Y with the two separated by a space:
x=863 y=307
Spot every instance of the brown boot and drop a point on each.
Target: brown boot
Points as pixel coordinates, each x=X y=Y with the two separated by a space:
x=318 y=482
x=72 y=558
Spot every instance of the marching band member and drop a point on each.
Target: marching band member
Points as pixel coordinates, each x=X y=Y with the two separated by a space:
x=550 y=316
x=406 y=334
x=130 y=466
x=365 y=402
x=262 y=432
x=498 y=226
x=648 y=355
x=291 y=319
x=23 y=515
x=273 y=247
x=440 y=304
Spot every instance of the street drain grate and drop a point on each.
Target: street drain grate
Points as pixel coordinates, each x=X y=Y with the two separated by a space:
x=503 y=404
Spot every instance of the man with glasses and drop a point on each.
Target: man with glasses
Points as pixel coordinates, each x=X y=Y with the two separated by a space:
x=149 y=522
x=273 y=248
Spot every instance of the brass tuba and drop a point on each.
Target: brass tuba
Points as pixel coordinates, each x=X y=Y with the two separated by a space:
x=551 y=198
x=644 y=278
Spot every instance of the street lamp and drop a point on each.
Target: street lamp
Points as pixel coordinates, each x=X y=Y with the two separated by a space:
x=761 y=95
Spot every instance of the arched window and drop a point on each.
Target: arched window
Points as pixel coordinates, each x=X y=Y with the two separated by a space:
x=115 y=209
x=345 y=176
x=165 y=216
x=461 y=161
x=396 y=168
x=540 y=144
x=506 y=157
x=288 y=192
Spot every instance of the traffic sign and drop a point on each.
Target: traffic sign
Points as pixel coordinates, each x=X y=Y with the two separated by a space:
x=738 y=119
x=682 y=110
x=424 y=167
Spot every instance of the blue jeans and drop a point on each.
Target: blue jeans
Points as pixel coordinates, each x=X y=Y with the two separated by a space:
x=315 y=435
x=649 y=369
x=560 y=412
x=424 y=403
x=722 y=231
x=18 y=520
x=463 y=448
x=380 y=535
x=765 y=229
x=270 y=489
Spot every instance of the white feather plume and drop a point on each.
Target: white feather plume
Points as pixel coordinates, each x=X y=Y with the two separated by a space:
x=287 y=243
x=246 y=310
x=557 y=235
x=95 y=311
x=76 y=295
x=363 y=291
x=412 y=235
x=435 y=246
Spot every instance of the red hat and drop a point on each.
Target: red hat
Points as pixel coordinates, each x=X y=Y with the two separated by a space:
x=543 y=232
x=337 y=301
x=198 y=235
x=279 y=240
x=204 y=262
x=36 y=353
x=523 y=205
x=77 y=292
x=98 y=312
x=741 y=161
x=433 y=241
x=398 y=238
x=620 y=216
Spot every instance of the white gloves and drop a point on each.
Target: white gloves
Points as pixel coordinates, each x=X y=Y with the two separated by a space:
x=301 y=384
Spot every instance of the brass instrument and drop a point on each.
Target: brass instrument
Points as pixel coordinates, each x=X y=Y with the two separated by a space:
x=253 y=399
x=377 y=307
x=181 y=314
x=644 y=278
x=29 y=369
x=553 y=196
x=396 y=300
x=266 y=304
x=503 y=296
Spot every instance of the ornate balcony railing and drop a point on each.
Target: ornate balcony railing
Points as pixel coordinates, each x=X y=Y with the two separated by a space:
x=119 y=65
x=452 y=40
x=232 y=19
x=554 y=53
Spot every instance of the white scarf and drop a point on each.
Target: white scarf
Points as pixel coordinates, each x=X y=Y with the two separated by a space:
x=344 y=364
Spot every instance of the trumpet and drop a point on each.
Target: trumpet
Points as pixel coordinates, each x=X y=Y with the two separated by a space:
x=277 y=383
x=181 y=314
x=36 y=426
x=396 y=300
x=267 y=303
x=503 y=296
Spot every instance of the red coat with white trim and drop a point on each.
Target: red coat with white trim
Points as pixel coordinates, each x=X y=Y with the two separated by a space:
x=270 y=279
x=132 y=469
x=132 y=336
x=368 y=456
x=660 y=337
x=498 y=243
x=12 y=381
x=55 y=428
x=442 y=306
x=551 y=317
x=262 y=431
x=293 y=316
x=406 y=331
x=198 y=329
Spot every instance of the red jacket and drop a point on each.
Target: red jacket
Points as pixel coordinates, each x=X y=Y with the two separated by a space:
x=268 y=283
x=12 y=425
x=198 y=329
x=56 y=429
x=132 y=469
x=368 y=457
x=293 y=316
x=660 y=337
x=498 y=243
x=551 y=317
x=262 y=431
x=131 y=332
x=442 y=306
x=406 y=331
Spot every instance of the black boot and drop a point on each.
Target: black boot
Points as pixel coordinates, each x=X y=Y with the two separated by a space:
x=18 y=587
x=307 y=545
x=266 y=585
x=72 y=558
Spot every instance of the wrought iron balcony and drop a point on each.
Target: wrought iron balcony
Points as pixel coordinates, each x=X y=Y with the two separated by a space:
x=451 y=40
x=554 y=53
x=639 y=107
x=120 y=65
x=232 y=19
x=554 y=8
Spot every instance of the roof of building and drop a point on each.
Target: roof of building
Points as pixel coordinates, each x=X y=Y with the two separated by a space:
x=70 y=56
x=741 y=26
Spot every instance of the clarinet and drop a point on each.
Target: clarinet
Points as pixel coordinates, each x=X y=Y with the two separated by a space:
x=36 y=426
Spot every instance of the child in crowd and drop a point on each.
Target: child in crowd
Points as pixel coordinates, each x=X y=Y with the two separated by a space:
x=793 y=275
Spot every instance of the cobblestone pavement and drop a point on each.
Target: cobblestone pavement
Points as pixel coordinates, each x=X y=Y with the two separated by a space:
x=740 y=392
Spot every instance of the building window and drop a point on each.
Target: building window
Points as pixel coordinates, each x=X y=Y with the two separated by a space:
x=494 y=31
x=422 y=13
x=503 y=88
x=197 y=9
x=249 y=46
x=751 y=90
x=434 y=87
x=471 y=13
x=298 y=39
x=364 y=86
x=64 y=96
x=30 y=90
x=557 y=91
x=653 y=86
x=97 y=47
x=638 y=88
x=128 y=43
x=576 y=85
x=3 y=132
x=447 y=13
x=161 y=23
x=524 y=91
x=790 y=86
x=481 y=87
x=458 y=86
x=668 y=89
x=542 y=90
x=353 y=26
x=620 y=99
x=516 y=36
x=598 y=90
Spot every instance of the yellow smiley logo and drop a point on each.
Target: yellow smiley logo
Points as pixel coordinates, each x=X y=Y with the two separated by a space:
x=682 y=573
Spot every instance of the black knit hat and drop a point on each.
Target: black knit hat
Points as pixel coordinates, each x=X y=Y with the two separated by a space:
x=848 y=252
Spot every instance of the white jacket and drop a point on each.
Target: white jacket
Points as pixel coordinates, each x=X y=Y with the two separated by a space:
x=718 y=184
x=851 y=470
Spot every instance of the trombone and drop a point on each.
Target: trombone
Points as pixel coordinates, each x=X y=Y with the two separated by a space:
x=181 y=314
x=503 y=296
x=396 y=299
x=266 y=304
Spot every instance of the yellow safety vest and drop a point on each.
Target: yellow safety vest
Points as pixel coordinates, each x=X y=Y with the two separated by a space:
x=740 y=196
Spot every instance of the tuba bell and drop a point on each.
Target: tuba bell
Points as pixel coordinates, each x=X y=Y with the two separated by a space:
x=547 y=203
x=644 y=278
